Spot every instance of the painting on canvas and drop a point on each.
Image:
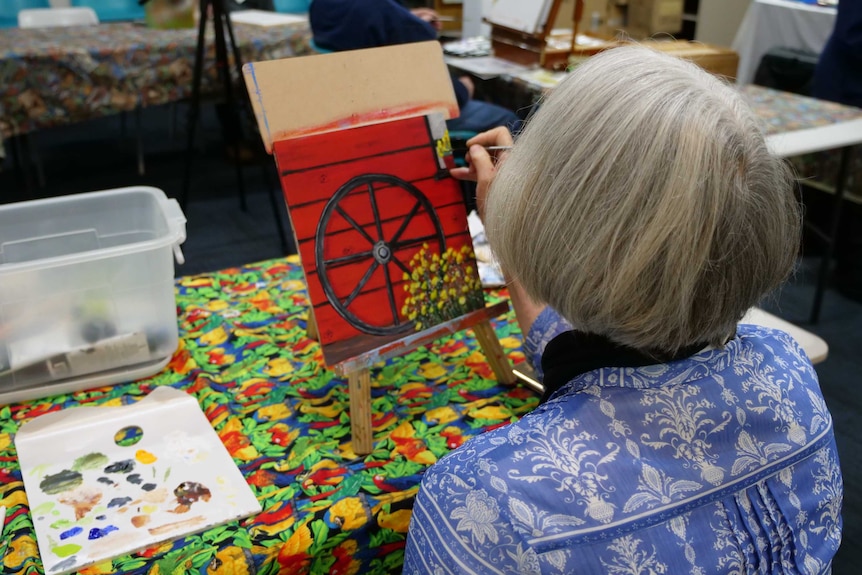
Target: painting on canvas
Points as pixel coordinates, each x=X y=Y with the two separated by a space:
x=106 y=481
x=381 y=229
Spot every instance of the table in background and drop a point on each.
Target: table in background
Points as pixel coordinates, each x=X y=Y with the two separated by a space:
x=56 y=76
x=245 y=356
x=782 y=112
x=780 y=23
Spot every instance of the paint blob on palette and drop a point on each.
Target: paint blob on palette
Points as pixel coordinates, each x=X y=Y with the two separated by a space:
x=106 y=481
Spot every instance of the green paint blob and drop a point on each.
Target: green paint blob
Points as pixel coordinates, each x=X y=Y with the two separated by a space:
x=65 y=550
x=60 y=482
x=55 y=513
x=90 y=461
x=128 y=436
x=61 y=524
x=43 y=509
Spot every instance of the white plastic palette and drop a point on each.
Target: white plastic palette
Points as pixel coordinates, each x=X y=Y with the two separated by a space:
x=106 y=481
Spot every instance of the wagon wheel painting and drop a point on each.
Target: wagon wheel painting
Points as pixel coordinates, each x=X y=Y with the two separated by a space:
x=381 y=252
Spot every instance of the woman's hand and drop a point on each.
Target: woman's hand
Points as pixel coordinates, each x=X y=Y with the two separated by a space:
x=482 y=166
x=428 y=15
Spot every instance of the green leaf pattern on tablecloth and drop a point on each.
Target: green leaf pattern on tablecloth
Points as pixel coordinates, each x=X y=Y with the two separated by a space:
x=245 y=356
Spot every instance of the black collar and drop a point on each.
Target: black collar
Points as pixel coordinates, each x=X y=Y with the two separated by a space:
x=573 y=353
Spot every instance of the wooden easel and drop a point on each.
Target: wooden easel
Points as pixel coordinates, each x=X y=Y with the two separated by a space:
x=357 y=369
x=410 y=82
x=541 y=48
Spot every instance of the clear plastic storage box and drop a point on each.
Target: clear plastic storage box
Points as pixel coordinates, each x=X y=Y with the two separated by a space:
x=87 y=290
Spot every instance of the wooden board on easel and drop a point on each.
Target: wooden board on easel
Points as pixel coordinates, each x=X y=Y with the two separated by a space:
x=380 y=226
x=524 y=32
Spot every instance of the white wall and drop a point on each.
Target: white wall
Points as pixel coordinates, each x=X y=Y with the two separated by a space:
x=718 y=20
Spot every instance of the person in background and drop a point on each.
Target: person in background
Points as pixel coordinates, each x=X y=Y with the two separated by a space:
x=339 y=25
x=637 y=218
x=838 y=78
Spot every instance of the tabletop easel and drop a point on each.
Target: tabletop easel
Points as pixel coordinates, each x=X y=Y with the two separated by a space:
x=412 y=82
x=539 y=48
x=216 y=10
x=357 y=369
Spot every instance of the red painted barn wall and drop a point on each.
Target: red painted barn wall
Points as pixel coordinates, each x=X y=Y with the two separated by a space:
x=314 y=167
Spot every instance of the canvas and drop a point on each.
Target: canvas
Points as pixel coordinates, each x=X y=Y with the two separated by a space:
x=106 y=481
x=529 y=16
x=382 y=231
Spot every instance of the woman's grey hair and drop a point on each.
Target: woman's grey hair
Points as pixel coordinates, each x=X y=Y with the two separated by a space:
x=642 y=204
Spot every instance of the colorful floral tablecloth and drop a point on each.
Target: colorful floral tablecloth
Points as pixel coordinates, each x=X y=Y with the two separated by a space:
x=57 y=76
x=245 y=356
x=783 y=112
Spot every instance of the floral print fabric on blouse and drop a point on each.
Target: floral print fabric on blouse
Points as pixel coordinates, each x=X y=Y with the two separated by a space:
x=724 y=462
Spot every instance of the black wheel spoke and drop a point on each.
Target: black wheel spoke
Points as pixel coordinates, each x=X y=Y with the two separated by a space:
x=335 y=262
x=398 y=262
x=390 y=291
x=406 y=221
x=346 y=303
x=376 y=212
x=353 y=223
x=413 y=242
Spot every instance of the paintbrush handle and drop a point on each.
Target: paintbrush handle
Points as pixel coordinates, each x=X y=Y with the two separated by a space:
x=489 y=148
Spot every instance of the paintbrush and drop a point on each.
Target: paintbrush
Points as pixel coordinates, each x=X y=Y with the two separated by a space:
x=489 y=148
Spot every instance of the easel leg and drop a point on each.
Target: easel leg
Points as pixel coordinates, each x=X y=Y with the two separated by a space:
x=221 y=22
x=493 y=351
x=311 y=325
x=359 y=387
x=194 y=107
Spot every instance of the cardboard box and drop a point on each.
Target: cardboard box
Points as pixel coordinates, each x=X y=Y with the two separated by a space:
x=654 y=16
x=715 y=59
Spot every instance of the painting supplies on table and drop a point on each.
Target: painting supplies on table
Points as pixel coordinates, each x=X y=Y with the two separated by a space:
x=103 y=482
x=87 y=290
x=468 y=47
x=102 y=355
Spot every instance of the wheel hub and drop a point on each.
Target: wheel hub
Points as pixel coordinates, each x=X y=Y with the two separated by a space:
x=382 y=253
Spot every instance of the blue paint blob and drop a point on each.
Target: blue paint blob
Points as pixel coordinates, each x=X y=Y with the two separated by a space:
x=134 y=479
x=119 y=501
x=70 y=533
x=96 y=533
x=148 y=486
x=100 y=517
x=106 y=481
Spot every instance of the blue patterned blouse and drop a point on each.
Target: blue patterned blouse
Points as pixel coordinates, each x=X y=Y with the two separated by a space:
x=724 y=462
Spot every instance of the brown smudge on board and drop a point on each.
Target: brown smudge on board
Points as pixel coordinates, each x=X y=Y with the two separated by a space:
x=82 y=499
x=177 y=525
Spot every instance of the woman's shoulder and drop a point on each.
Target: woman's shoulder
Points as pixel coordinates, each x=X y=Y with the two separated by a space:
x=705 y=428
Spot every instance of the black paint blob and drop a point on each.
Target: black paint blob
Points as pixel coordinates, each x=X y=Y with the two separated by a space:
x=119 y=501
x=120 y=467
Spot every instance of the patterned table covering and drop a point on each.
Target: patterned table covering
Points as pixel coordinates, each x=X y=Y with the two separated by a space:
x=57 y=76
x=244 y=355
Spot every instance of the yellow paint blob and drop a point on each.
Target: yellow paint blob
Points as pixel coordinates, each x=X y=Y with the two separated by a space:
x=149 y=509
x=145 y=457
